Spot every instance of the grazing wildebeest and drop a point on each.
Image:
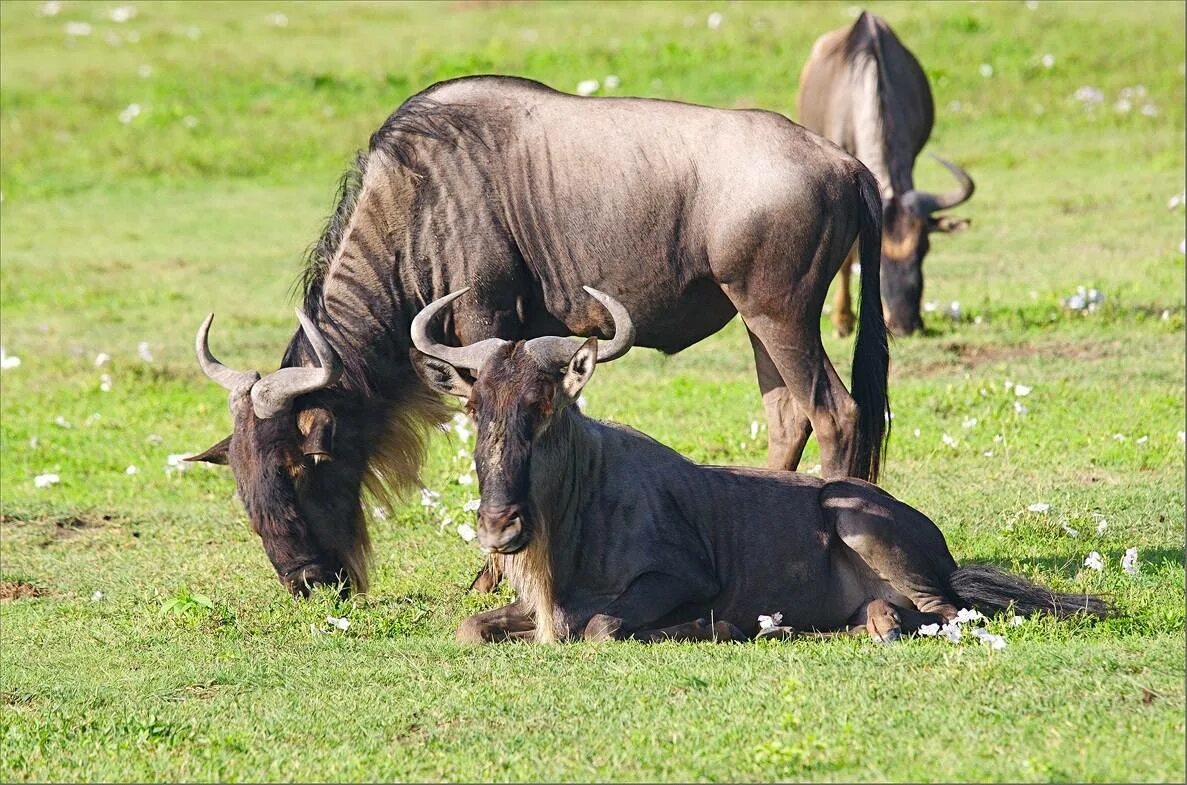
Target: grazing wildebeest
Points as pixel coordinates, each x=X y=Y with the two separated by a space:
x=864 y=90
x=688 y=214
x=605 y=532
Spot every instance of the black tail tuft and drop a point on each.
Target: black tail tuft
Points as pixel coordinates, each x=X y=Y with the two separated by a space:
x=871 y=354
x=990 y=590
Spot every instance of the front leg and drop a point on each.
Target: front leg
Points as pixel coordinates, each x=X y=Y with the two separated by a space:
x=509 y=623
x=650 y=598
x=602 y=627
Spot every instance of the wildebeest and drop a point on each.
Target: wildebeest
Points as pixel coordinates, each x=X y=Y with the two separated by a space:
x=605 y=532
x=864 y=90
x=687 y=214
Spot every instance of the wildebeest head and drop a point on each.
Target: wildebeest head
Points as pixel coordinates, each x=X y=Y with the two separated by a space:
x=520 y=389
x=295 y=471
x=907 y=221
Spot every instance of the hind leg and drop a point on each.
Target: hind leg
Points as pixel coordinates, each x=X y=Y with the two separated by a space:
x=843 y=318
x=788 y=427
x=899 y=544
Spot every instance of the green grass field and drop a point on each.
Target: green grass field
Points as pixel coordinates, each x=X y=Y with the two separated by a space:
x=143 y=635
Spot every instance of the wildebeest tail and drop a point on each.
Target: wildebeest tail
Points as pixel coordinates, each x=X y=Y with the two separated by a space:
x=871 y=354
x=990 y=590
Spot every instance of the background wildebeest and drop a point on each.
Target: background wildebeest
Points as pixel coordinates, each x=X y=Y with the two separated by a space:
x=605 y=532
x=687 y=214
x=864 y=90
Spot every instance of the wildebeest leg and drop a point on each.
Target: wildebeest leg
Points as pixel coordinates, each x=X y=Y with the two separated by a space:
x=788 y=427
x=606 y=627
x=511 y=622
x=843 y=319
x=897 y=542
x=488 y=577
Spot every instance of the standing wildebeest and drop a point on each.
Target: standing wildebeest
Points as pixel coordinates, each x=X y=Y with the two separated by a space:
x=688 y=214
x=605 y=532
x=862 y=89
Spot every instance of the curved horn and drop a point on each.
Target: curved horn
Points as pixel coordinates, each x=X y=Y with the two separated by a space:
x=930 y=203
x=558 y=351
x=227 y=378
x=275 y=393
x=470 y=357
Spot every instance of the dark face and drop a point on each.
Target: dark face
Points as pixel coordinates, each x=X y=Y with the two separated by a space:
x=299 y=481
x=904 y=244
x=512 y=402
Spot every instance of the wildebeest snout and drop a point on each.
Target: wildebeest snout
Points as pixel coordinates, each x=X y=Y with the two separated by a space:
x=501 y=529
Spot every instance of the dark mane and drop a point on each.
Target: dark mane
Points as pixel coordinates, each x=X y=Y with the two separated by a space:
x=866 y=38
x=318 y=255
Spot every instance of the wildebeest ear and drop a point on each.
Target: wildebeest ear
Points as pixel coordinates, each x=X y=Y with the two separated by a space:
x=947 y=224
x=580 y=368
x=440 y=375
x=216 y=454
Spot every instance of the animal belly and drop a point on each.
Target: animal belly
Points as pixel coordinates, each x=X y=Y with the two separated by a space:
x=676 y=319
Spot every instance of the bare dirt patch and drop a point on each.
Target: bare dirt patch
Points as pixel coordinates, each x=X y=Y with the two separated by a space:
x=960 y=356
x=19 y=590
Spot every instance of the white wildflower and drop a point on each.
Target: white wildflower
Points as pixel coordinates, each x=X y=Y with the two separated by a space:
x=1093 y=561
x=1101 y=522
x=1149 y=110
x=1070 y=531
x=1129 y=562
x=52 y=8
x=988 y=453
x=1122 y=106
x=1178 y=200
x=969 y=422
x=154 y=438
x=278 y=20
x=986 y=70
x=611 y=81
x=101 y=359
x=131 y=470
x=1119 y=437
x=176 y=462
x=1017 y=621
x=429 y=498
x=929 y=306
x=587 y=87
x=378 y=513
x=1022 y=390
x=465 y=479
x=1089 y=96
x=770 y=622
x=948 y=440
x=1038 y=507
x=929 y=630
x=915 y=433
x=466 y=532
x=97 y=596
x=1019 y=408
x=62 y=422
x=342 y=624
x=951 y=632
x=1008 y=384
x=995 y=642
x=954 y=310
x=121 y=13
x=92 y=418
x=77 y=29
x=1142 y=440
x=46 y=480
x=753 y=430
x=1048 y=60
x=8 y=361
x=130 y=113
x=472 y=505
x=34 y=443
x=714 y=21
x=966 y=615
x=144 y=352
x=105 y=382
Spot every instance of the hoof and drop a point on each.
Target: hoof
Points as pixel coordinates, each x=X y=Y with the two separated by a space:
x=893 y=635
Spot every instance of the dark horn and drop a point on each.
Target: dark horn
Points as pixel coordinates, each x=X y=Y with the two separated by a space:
x=276 y=392
x=227 y=378
x=470 y=357
x=930 y=203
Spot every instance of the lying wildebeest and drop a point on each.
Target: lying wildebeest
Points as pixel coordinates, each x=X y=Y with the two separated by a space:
x=688 y=214
x=864 y=90
x=605 y=532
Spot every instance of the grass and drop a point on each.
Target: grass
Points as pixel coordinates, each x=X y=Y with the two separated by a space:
x=193 y=665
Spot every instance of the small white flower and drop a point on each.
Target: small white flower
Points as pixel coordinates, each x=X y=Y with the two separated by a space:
x=753 y=430
x=1048 y=60
x=175 y=462
x=1178 y=200
x=915 y=433
x=1142 y=439
x=587 y=87
x=954 y=310
x=154 y=438
x=714 y=21
x=105 y=382
x=770 y=622
x=472 y=505
x=1019 y=408
x=611 y=81
x=948 y=440
x=465 y=479
x=988 y=453
x=1017 y=621
x=8 y=361
x=1038 y=507
x=342 y=624
x=1070 y=531
x=951 y=632
x=929 y=630
x=130 y=113
x=1093 y=561
x=966 y=615
x=144 y=352
x=121 y=13
x=929 y=307
x=34 y=443
x=463 y=453
x=92 y=418
x=131 y=470
x=986 y=70
x=61 y=422
x=97 y=596
x=1149 y=110
x=466 y=532
x=52 y=8
x=1089 y=96
x=1021 y=390
x=1122 y=106
x=46 y=480
x=1129 y=562
x=429 y=498
x=969 y=422
x=278 y=20
x=995 y=642
x=1119 y=437
x=378 y=513
x=77 y=29
x=101 y=359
